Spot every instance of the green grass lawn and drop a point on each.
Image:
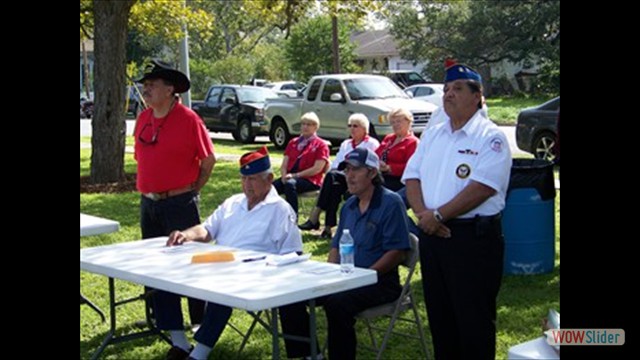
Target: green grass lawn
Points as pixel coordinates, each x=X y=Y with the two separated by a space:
x=522 y=303
x=504 y=110
x=221 y=146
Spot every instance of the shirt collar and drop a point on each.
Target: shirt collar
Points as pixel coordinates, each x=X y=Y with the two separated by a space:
x=364 y=139
x=376 y=198
x=272 y=197
x=472 y=126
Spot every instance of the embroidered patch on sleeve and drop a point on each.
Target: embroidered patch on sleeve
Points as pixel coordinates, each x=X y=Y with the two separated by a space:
x=496 y=144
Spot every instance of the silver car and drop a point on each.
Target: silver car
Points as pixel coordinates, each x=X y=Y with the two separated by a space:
x=427 y=92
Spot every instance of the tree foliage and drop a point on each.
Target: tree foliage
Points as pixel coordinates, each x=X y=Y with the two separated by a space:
x=236 y=32
x=478 y=32
x=308 y=49
x=284 y=14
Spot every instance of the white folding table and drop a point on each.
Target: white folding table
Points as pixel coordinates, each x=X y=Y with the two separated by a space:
x=93 y=225
x=534 y=349
x=252 y=286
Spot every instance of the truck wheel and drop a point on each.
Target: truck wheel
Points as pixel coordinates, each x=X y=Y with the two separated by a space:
x=244 y=133
x=280 y=135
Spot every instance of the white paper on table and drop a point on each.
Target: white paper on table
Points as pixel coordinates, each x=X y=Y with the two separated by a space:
x=290 y=258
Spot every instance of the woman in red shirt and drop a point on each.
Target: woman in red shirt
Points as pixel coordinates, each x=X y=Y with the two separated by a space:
x=304 y=161
x=396 y=149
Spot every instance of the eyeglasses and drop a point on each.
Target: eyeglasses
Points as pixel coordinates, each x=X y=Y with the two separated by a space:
x=154 y=137
x=353 y=125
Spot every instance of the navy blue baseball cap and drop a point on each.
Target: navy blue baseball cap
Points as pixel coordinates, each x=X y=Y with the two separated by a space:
x=360 y=157
x=458 y=71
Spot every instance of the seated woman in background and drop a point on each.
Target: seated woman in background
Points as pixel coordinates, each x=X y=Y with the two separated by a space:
x=335 y=183
x=304 y=161
x=397 y=148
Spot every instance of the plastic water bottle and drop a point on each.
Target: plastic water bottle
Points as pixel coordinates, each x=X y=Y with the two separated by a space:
x=346 y=252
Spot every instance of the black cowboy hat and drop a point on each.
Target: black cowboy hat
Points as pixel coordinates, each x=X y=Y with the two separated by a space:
x=162 y=70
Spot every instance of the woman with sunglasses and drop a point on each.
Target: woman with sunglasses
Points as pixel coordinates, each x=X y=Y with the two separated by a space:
x=335 y=184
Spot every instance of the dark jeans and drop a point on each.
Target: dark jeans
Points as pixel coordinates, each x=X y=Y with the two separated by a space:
x=341 y=309
x=159 y=218
x=333 y=189
x=461 y=277
x=217 y=316
x=292 y=187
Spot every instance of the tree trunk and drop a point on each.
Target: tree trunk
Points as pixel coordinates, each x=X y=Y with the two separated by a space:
x=108 y=122
x=336 y=51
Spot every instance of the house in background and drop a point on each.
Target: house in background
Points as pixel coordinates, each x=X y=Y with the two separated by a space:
x=88 y=55
x=377 y=51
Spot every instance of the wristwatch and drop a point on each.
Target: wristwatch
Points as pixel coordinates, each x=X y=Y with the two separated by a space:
x=438 y=216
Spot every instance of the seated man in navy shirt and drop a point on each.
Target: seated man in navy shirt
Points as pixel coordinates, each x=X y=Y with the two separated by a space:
x=377 y=220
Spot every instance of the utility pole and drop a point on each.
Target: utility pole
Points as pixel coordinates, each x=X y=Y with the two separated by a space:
x=335 y=48
x=184 y=61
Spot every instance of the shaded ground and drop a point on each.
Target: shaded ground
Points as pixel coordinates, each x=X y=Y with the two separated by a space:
x=127 y=185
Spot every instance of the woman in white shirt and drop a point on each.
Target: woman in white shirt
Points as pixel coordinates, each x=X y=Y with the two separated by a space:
x=335 y=184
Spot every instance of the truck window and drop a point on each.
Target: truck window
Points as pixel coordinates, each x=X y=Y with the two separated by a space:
x=227 y=94
x=214 y=95
x=313 y=90
x=330 y=87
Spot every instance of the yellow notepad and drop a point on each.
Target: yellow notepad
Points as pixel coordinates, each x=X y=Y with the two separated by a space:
x=212 y=256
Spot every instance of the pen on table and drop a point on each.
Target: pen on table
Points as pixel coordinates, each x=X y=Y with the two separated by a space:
x=254 y=259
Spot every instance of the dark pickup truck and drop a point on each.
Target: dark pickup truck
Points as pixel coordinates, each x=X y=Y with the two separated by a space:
x=237 y=109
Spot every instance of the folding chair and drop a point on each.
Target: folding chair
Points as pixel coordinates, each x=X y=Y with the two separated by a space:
x=394 y=309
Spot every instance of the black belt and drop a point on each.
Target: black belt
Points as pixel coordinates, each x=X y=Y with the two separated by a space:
x=474 y=220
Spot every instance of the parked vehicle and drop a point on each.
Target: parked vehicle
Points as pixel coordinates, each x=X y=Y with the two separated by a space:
x=334 y=98
x=237 y=109
x=135 y=103
x=427 y=92
x=288 y=88
x=86 y=108
x=537 y=131
x=257 y=82
x=405 y=78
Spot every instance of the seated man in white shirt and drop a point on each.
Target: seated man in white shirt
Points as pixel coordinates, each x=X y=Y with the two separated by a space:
x=258 y=219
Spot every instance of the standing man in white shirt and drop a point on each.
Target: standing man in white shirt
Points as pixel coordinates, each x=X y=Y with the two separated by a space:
x=258 y=219
x=456 y=184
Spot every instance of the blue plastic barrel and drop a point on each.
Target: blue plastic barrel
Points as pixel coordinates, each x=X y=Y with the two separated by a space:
x=528 y=220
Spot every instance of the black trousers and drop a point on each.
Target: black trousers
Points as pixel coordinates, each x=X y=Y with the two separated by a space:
x=159 y=218
x=461 y=277
x=333 y=189
x=392 y=183
x=292 y=187
x=341 y=309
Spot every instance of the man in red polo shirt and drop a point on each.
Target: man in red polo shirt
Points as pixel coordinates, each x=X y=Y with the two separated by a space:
x=175 y=158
